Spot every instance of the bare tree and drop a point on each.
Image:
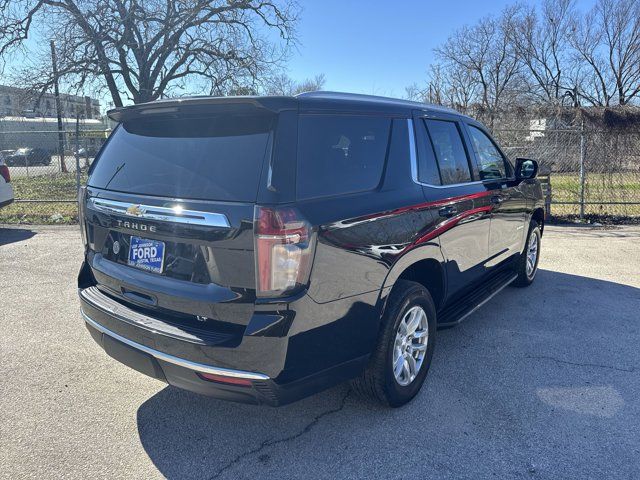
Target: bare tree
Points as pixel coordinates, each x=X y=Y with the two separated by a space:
x=311 y=84
x=620 y=23
x=461 y=89
x=450 y=85
x=141 y=49
x=586 y=38
x=607 y=41
x=541 y=42
x=543 y=54
x=414 y=93
x=282 y=84
x=486 y=53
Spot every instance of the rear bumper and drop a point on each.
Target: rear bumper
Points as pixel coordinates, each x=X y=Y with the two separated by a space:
x=181 y=362
x=137 y=344
x=180 y=372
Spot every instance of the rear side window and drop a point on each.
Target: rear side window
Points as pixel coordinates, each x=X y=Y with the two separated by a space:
x=449 y=150
x=339 y=154
x=217 y=157
x=427 y=167
x=491 y=163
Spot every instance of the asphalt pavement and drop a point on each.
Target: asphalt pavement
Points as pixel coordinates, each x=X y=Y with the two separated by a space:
x=542 y=382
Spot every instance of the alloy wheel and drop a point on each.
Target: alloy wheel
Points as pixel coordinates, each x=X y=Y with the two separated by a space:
x=532 y=254
x=410 y=345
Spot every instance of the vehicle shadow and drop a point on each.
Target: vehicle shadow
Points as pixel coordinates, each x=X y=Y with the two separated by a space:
x=12 y=235
x=562 y=317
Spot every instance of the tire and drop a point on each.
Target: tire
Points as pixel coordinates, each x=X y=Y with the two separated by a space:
x=379 y=381
x=526 y=276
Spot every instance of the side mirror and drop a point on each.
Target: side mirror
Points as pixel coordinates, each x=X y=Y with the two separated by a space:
x=526 y=168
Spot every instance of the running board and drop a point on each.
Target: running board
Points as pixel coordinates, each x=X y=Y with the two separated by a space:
x=461 y=309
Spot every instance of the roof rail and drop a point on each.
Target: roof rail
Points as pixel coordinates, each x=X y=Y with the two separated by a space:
x=330 y=95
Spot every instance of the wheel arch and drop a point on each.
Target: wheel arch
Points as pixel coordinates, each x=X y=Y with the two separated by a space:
x=424 y=265
x=430 y=274
x=538 y=216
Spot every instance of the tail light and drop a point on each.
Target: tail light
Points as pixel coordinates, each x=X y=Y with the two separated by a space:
x=82 y=195
x=284 y=250
x=4 y=172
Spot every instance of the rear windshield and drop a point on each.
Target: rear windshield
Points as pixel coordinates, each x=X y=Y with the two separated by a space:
x=212 y=158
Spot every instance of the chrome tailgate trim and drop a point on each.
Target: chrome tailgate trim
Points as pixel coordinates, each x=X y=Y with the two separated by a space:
x=174 y=214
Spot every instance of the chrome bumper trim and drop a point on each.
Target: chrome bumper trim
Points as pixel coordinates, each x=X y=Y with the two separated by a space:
x=165 y=357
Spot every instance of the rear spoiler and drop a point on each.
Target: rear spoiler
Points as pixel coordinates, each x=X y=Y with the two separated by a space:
x=203 y=105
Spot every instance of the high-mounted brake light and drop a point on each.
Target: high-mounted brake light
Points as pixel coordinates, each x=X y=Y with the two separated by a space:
x=284 y=246
x=158 y=111
x=4 y=172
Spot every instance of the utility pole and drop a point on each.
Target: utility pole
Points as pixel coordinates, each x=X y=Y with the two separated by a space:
x=583 y=154
x=78 y=152
x=56 y=91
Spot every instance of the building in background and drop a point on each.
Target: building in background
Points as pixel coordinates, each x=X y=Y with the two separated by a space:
x=21 y=132
x=18 y=102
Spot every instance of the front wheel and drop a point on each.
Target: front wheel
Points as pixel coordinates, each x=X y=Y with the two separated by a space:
x=401 y=359
x=528 y=263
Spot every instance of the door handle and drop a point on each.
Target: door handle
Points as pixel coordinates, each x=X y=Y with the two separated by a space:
x=448 y=211
x=497 y=199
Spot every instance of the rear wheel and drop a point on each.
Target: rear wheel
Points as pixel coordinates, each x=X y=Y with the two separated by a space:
x=401 y=360
x=528 y=263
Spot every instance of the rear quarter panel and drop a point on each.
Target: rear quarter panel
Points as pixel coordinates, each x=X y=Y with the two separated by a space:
x=360 y=238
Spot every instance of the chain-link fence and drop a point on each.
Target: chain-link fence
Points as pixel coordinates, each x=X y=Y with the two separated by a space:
x=592 y=173
x=588 y=171
x=47 y=165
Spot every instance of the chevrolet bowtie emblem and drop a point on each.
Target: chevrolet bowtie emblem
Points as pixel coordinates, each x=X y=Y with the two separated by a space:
x=135 y=210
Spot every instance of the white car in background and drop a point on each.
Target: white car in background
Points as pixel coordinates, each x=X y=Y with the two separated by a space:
x=6 y=190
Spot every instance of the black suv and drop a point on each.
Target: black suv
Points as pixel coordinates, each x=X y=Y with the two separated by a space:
x=260 y=249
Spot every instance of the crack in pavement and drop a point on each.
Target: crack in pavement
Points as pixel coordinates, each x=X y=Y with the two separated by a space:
x=271 y=443
x=577 y=364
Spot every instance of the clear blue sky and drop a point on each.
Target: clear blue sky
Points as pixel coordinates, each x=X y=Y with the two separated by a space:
x=380 y=46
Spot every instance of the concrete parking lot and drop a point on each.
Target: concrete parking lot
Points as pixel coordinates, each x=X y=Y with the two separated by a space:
x=541 y=382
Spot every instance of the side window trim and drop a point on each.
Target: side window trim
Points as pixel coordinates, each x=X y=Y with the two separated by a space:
x=414 y=157
x=509 y=169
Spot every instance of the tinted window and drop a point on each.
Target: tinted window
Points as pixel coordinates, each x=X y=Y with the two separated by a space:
x=340 y=154
x=490 y=161
x=215 y=157
x=427 y=166
x=450 y=152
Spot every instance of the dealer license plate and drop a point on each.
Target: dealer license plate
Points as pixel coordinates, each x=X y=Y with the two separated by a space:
x=146 y=254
